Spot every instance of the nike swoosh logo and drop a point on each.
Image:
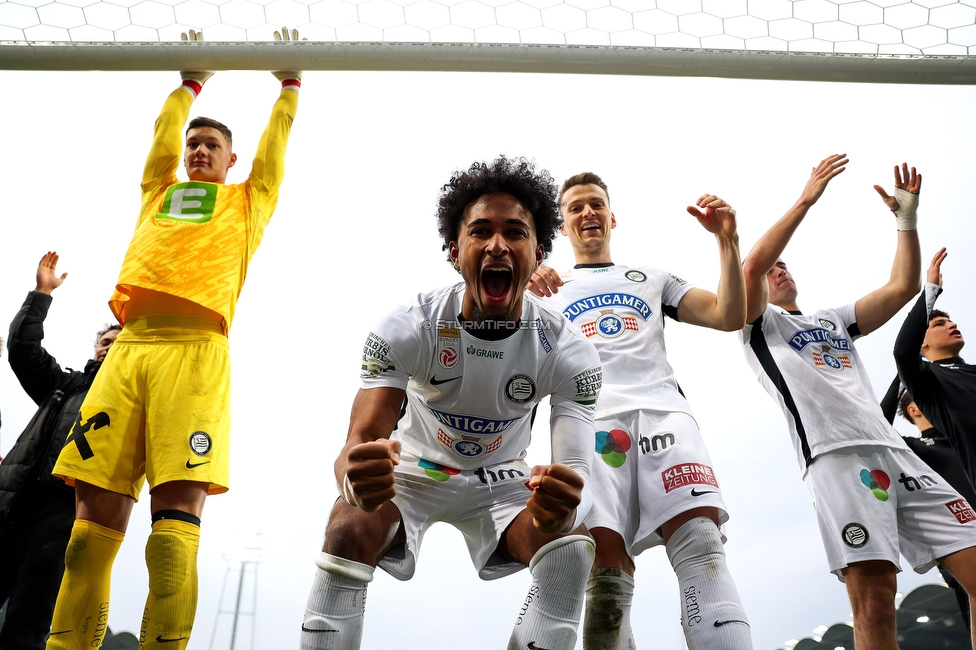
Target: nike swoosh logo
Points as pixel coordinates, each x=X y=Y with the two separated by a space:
x=721 y=623
x=61 y=632
x=160 y=639
x=434 y=381
x=696 y=493
x=305 y=629
x=533 y=646
x=190 y=465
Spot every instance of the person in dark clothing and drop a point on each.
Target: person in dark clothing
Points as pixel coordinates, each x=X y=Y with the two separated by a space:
x=934 y=449
x=36 y=509
x=942 y=384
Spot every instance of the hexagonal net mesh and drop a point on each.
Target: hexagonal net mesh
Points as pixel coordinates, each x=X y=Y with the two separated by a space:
x=903 y=41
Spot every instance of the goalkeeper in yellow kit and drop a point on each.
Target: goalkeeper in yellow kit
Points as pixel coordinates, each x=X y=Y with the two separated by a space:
x=160 y=407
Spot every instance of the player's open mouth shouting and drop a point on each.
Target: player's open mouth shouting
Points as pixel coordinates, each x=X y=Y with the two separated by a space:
x=496 y=283
x=496 y=252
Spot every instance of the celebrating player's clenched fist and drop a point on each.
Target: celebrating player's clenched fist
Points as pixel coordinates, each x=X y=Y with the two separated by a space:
x=368 y=480
x=556 y=494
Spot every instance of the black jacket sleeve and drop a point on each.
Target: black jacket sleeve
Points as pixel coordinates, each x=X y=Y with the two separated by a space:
x=908 y=358
x=889 y=403
x=37 y=371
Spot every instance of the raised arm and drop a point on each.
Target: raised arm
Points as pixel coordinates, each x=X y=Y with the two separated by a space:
x=908 y=343
x=166 y=151
x=47 y=273
x=771 y=245
x=875 y=309
x=268 y=168
x=889 y=403
x=726 y=309
x=37 y=371
x=560 y=500
x=364 y=468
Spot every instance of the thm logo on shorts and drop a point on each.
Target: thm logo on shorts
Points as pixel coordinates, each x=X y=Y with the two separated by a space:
x=876 y=481
x=613 y=446
x=437 y=471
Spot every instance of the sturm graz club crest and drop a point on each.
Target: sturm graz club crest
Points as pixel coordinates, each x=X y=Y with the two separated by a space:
x=520 y=389
x=635 y=276
x=832 y=361
x=827 y=324
x=855 y=535
x=610 y=326
x=468 y=448
x=200 y=443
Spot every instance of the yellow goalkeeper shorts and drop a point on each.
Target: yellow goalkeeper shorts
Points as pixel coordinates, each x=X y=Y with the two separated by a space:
x=159 y=409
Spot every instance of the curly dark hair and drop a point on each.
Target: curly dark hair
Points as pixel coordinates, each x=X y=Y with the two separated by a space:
x=535 y=190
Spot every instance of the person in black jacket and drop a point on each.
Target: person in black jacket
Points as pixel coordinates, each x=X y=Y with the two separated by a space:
x=942 y=384
x=36 y=509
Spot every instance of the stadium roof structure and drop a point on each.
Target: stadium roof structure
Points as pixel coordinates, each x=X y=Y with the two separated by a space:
x=928 y=619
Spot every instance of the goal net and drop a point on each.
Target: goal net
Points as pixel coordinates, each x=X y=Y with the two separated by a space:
x=924 y=41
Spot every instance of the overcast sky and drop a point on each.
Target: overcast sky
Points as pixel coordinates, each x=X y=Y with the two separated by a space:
x=354 y=235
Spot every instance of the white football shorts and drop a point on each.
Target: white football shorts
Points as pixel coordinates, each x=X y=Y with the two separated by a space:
x=480 y=503
x=873 y=502
x=649 y=467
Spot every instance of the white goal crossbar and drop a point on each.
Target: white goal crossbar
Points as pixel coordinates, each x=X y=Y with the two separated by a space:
x=886 y=41
x=481 y=57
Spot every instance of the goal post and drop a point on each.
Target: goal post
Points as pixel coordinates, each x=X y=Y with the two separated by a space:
x=488 y=57
x=884 y=41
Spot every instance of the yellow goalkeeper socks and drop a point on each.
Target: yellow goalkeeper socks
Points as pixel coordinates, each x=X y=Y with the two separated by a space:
x=171 y=555
x=81 y=614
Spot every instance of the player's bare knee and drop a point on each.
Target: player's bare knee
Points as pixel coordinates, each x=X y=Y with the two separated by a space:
x=611 y=551
x=359 y=536
x=671 y=526
x=875 y=601
x=873 y=605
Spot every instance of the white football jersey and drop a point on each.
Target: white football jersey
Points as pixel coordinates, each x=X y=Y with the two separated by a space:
x=621 y=310
x=809 y=365
x=469 y=400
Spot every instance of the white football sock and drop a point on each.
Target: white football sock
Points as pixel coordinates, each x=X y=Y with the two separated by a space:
x=550 y=616
x=336 y=605
x=711 y=611
x=606 y=624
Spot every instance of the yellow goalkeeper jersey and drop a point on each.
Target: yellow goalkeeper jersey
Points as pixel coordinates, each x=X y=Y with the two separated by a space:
x=194 y=240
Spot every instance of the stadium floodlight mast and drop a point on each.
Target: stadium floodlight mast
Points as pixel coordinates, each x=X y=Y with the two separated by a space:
x=888 y=41
x=249 y=552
